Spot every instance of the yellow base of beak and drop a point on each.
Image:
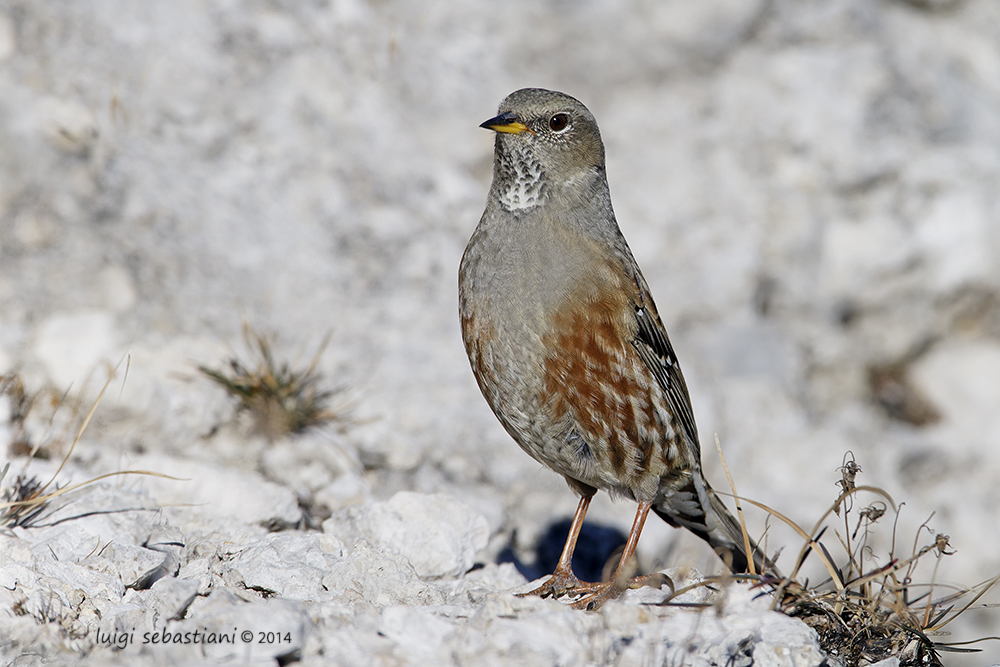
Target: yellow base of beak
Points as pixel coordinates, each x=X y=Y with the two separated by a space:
x=510 y=128
x=506 y=123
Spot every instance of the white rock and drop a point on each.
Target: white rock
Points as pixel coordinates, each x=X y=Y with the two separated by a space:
x=125 y=618
x=35 y=232
x=95 y=514
x=380 y=445
x=201 y=571
x=15 y=575
x=532 y=632
x=857 y=254
x=164 y=386
x=379 y=577
x=264 y=630
x=8 y=40
x=956 y=233
x=71 y=345
x=292 y=565
x=213 y=491
x=63 y=586
x=346 y=490
x=420 y=634
x=888 y=662
x=68 y=125
x=117 y=288
x=308 y=462
x=135 y=565
x=169 y=597
x=484 y=583
x=960 y=378
x=170 y=541
x=437 y=533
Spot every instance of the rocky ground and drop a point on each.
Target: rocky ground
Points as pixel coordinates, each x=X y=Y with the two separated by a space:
x=810 y=188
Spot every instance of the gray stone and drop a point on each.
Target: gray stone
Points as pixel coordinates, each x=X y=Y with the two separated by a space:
x=438 y=534
x=135 y=565
x=169 y=597
x=213 y=491
x=380 y=578
x=287 y=564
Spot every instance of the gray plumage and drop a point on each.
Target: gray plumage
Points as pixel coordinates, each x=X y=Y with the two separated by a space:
x=562 y=332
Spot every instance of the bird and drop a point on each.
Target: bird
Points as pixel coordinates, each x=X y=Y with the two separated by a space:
x=568 y=348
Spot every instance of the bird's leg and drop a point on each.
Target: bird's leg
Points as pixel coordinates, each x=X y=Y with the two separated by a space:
x=563 y=580
x=620 y=580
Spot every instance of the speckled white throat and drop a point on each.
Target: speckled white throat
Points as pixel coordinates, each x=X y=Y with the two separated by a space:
x=524 y=188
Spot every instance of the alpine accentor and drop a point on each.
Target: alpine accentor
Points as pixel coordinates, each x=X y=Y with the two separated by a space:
x=566 y=343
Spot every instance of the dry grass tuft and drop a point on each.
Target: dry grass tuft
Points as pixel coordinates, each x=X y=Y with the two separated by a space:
x=19 y=406
x=18 y=506
x=25 y=503
x=23 y=407
x=282 y=399
x=866 y=611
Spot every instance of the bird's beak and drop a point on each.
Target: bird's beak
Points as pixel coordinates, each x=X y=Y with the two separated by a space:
x=506 y=122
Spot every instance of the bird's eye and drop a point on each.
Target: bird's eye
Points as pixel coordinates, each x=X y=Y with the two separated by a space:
x=559 y=122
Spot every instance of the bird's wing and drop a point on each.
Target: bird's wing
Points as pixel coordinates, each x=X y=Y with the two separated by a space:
x=654 y=349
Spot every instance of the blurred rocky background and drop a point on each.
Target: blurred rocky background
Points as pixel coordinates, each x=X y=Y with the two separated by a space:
x=811 y=188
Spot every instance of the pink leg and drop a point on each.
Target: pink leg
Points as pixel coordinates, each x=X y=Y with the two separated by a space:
x=619 y=580
x=563 y=581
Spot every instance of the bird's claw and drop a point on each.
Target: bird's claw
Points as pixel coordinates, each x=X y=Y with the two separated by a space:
x=560 y=584
x=594 y=595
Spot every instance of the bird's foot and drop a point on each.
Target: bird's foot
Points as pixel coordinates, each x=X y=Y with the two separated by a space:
x=562 y=582
x=609 y=590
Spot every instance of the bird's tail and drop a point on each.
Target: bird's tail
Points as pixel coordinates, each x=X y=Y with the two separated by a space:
x=697 y=508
